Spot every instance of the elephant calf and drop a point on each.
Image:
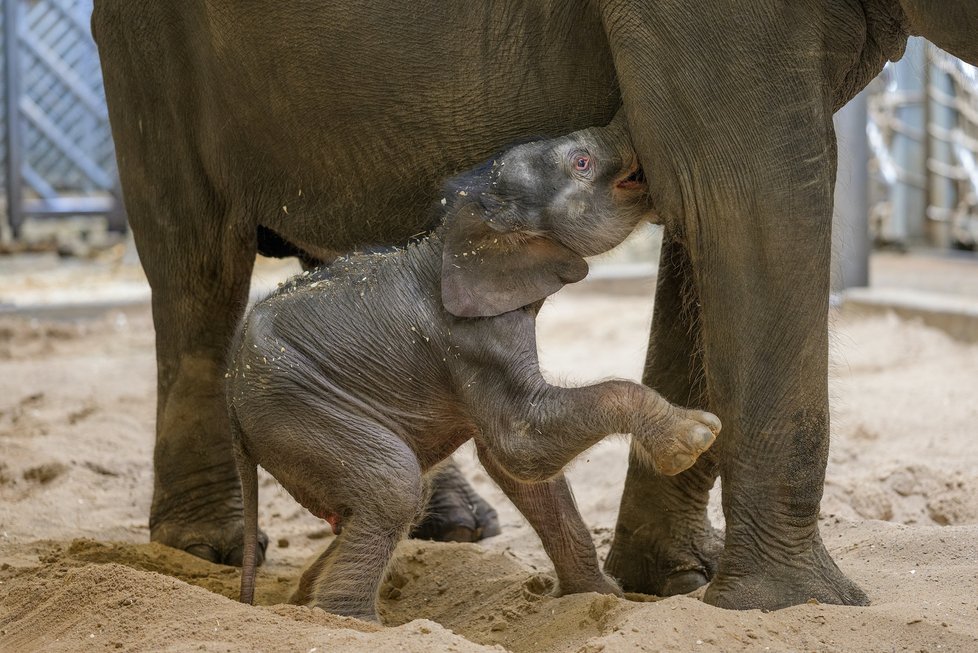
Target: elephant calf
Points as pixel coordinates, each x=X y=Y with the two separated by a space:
x=350 y=383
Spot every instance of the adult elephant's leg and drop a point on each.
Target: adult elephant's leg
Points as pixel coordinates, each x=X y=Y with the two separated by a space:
x=455 y=511
x=199 y=273
x=198 y=251
x=199 y=293
x=664 y=543
x=737 y=142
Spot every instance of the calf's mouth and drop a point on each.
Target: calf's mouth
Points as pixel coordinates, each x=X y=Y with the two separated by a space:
x=634 y=179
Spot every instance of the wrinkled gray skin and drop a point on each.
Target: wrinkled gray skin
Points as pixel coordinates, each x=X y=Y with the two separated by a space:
x=223 y=112
x=349 y=384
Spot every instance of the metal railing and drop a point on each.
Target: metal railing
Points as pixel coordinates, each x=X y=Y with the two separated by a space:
x=923 y=135
x=57 y=145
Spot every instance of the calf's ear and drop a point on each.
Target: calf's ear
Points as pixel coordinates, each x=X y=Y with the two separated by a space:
x=489 y=268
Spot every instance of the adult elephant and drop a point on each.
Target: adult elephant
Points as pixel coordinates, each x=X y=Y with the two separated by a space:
x=332 y=123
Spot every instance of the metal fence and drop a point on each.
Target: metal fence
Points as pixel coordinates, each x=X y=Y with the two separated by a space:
x=56 y=140
x=923 y=134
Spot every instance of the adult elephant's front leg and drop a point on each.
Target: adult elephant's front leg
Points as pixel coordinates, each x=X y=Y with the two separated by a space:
x=737 y=143
x=197 y=246
x=199 y=293
x=196 y=494
x=664 y=543
x=764 y=289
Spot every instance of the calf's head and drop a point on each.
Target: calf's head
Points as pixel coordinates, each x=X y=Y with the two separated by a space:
x=519 y=228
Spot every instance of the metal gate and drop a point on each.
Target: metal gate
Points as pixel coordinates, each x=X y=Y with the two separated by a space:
x=56 y=142
x=923 y=131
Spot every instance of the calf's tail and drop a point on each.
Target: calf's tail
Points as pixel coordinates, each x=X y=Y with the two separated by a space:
x=248 y=474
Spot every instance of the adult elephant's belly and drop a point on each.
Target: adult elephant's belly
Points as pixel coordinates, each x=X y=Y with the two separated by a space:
x=342 y=140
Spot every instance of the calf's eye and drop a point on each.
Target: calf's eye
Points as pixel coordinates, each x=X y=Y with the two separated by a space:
x=582 y=162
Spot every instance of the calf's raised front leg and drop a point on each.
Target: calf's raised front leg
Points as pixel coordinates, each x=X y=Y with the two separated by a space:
x=563 y=422
x=533 y=429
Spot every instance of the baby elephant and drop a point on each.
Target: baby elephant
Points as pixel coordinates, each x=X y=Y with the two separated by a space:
x=350 y=383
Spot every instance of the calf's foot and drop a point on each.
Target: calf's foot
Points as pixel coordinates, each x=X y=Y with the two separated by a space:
x=692 y=433
x=599 y=583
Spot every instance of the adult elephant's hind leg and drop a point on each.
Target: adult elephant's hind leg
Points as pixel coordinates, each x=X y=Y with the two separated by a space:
x=455 y=511
x=664 y=543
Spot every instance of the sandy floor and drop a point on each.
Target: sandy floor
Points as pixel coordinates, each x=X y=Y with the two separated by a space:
x=77 y=573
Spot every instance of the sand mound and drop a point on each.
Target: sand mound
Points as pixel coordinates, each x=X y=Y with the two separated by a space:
x=115 y=596
x=114 y=607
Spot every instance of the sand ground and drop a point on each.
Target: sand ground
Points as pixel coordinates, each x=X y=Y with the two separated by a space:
x=77 y=573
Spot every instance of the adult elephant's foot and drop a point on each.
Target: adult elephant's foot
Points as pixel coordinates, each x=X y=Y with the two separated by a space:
x=664 y=543
x=196 y=494
x=455 y=511
x=220 y=541
x=651 y=562
x=771 y=585
x=212 y=531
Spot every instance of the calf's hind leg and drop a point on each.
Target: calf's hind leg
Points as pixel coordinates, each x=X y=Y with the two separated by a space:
x=381 y=496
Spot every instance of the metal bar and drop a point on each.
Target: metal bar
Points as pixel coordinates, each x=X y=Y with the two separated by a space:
x=850 y=228
x=942 y=199
x=117 y=220
x=70 y=206
x=90 y=168
x=925 y=140
x=65 y=74
x=12 y=81
x=909 y=202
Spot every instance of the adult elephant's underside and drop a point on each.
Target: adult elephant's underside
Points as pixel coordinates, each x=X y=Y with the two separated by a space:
x=332 y=123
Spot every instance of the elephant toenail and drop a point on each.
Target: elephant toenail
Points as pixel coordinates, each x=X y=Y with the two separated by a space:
x=702 y=437
x=710 y=420
x=683 y=582
x=204 y=551
x=680 y=462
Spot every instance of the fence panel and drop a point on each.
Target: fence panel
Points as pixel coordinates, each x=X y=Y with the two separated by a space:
x=923 y=130
x=57 y=144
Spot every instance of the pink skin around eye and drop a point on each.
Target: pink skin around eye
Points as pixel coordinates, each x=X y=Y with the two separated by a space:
x=582 y=163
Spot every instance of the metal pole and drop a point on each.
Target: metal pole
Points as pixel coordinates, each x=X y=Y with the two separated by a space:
x=943 y=118
x=850 y=228
x=909 y=140
x=927 y=143
x=11 y=75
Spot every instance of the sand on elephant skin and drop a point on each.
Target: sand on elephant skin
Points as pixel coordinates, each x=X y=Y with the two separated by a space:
x=900 y=513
